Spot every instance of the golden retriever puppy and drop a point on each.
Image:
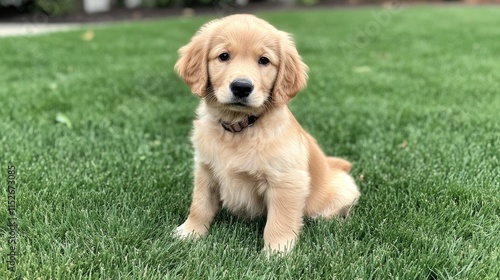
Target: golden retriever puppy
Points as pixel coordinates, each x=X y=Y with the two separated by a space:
x=251 y=154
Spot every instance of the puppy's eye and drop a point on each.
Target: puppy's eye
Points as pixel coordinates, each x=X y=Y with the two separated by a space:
x=224 y=56
x=264 y=60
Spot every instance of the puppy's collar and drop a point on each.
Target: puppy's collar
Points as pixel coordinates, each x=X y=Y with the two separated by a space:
x=239 y=126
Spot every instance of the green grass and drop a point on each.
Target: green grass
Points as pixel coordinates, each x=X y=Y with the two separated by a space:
x=100 y=199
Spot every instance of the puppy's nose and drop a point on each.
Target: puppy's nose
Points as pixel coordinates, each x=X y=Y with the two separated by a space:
x=241 y=87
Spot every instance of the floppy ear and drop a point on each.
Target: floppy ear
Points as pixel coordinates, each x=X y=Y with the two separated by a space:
x=292 y=72
x=192 y=65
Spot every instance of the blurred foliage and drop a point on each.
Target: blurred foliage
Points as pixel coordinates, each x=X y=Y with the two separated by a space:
x=183 y=3
x=55 y=7
x=59 y=7
x=308 y=2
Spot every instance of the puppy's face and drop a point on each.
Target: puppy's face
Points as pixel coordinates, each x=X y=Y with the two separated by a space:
x=242 y=63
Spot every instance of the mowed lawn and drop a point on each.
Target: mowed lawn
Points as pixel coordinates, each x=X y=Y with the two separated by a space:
x=411 y=97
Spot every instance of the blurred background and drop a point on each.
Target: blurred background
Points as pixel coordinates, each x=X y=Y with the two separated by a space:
x=45 y=11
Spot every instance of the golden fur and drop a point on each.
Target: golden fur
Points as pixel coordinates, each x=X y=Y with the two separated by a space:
x=273 y=168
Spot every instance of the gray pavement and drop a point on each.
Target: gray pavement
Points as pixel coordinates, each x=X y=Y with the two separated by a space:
x=28 y=29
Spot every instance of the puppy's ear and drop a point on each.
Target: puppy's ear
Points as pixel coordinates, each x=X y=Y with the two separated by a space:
x=292 y=72
x=192 y=65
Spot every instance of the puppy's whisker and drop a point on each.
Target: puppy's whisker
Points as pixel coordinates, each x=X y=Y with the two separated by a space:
x=267 y=105
x=210 y=96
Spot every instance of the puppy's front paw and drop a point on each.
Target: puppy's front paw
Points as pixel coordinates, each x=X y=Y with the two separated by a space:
x=188 y=231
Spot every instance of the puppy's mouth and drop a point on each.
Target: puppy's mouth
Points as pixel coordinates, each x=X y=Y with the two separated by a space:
x=238 y=104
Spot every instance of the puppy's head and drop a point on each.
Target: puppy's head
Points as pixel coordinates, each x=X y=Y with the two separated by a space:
x=241 y=63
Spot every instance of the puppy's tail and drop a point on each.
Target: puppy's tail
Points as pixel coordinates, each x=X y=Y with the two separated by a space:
x=339 y=164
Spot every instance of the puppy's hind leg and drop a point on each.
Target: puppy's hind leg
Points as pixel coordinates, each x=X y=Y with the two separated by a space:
x=345 y=191
x=346 y=195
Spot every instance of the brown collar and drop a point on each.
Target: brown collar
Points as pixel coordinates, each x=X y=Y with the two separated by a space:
x=239 y=126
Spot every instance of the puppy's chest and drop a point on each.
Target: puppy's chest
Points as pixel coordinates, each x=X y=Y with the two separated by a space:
x=243 y=193
x=234 y=153
x=241 y=169
x=242 y=186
